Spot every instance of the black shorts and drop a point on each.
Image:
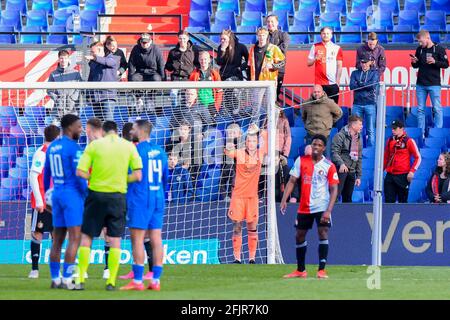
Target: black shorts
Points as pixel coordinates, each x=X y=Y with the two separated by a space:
x=41 y=222
x=306 y=221
x=104 y=210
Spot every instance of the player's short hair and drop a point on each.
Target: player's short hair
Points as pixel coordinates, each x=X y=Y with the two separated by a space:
x=185 y=123
x=423 y=33
x=234 y=126
x=63 y=52
x=96 y=44
x=126 y=131
x=51 y=132
x=144 y=125
x=272 y=16
x=183 y=33
x=204 y=52
x=173 y=155
x=321 y=30
x=354 y=118
x=67 y=120
x=109 y=125
x=261 y=30
x=320 y=137
x=95 y=123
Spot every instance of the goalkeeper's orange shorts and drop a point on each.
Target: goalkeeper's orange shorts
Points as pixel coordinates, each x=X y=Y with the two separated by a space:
x=244 y=209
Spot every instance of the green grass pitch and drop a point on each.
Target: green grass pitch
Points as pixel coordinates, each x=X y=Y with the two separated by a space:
x=254 y=282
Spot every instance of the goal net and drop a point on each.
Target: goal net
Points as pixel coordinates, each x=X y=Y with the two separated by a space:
x=193 y=121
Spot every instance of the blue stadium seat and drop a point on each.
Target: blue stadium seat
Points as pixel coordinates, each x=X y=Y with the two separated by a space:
x=415 y=133
x=446 y=110
x=22 y=162
x=351 y=38
x=252 y=18
x=67 y=3
x=195 y=29
x=6 y=194
x=225 y=17
x=415 y=195
x=232 y=5
x=430 y=153
x=389 y=6
x=7 y=38
x=358 y=196
x=88 y=20
x=436 y=142
x=398 y=37
x=95 y=5
x=208 y=183
x=304 y=18
x=17 y=5
x=383 y=19
x=284 y=5
x=336 y=6
x=434 y=32
x=394 y=112
x=296 y=39
x=11 y=18
x=247 y=39
x=439 y=133
x=436 y=17
x=121 y=115
x=31 y=38
x=368 y=153
x=46 y=5
x=256 y=5
x=200 y=18
x=218 y=28
x=36 y=112
x=343 y=121
x=37 y=18
x=443 y=5
x=309 y=5
x=418 y=5
x=283 y=19
x=201 y=5
x=423 y=172
x=331 y=19
x=57 y=38
x=362 y=6
x=382 y=37
x=357 y=19
x=11 y=186
x=409 y=18
x=61 y=16
x=368 y=164
x=7 y=111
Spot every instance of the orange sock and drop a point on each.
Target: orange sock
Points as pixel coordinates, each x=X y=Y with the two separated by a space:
x=237 y=244
x=252 y=244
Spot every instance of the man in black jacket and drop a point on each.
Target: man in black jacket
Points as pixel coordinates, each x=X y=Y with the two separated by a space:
x=430 y=58
x=281 y=40
x=146 y=61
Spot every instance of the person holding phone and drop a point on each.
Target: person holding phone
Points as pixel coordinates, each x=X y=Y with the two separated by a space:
x=429 y=58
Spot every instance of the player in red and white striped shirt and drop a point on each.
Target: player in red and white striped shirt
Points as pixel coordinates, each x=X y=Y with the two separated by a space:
x=319 y=188
x=41 y=220
x=327 y=58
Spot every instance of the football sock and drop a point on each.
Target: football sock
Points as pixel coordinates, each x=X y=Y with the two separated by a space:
x=237 y=244
x=252 y=243
x=157 y=272
x=148 y=250
x=138 y=270
x=84 y=255
x=35 y=253
x=301 y=254
x=54 y=270
x=68 y=270
x=106 y=254
x=323 y=253
x=113 y=265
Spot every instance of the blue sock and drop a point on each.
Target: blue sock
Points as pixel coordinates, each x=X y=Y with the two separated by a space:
x=138 y=270
x=68 y=269
x=157 y=272
x=54 y=270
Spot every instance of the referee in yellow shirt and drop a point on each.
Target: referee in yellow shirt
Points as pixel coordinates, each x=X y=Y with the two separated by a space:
x=110 y=158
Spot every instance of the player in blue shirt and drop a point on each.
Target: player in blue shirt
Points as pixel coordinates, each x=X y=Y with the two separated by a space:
x=145 y=205
x=67 y=198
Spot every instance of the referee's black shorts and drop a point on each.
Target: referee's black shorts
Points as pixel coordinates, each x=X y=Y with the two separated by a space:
x=103 y=209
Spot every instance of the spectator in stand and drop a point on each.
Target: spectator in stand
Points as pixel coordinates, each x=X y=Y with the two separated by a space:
x=347 y=156
x=65 y=101
x=232 y=57
x=191 y=111
x=208 y=98
x=180 y=183
x=436 y=183
x=111 y=47
x=327 y=59
x=319 y=114
x=182 y=59
x=126 y=132
x=429 y=58
x=399 y=171
x=281 y=40
x=234 y=136
x=445 y=195
x=284 y=136
x=375 y=52
x=364 y=82
x=102 y=68
x=146 y=61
